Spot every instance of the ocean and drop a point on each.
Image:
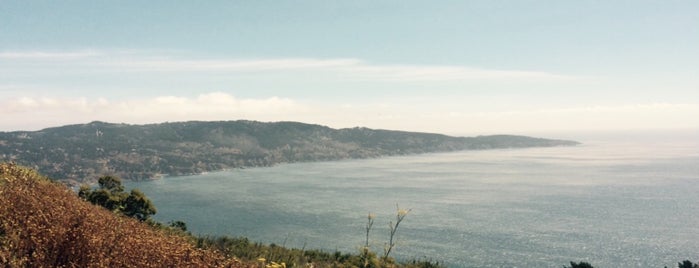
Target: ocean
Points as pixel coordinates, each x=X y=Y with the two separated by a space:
x=610 y=202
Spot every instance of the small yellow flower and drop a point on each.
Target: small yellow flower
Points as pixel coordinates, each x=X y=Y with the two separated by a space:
x=371 y=216
x=261 y=259
x=276 y=265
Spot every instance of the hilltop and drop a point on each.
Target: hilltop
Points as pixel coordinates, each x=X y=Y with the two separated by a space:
x=83 y=152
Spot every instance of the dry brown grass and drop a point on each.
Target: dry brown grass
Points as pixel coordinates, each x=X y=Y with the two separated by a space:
x=44 y=224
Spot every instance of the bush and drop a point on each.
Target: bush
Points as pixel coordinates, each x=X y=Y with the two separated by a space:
x=111 y=196
x=581 y=264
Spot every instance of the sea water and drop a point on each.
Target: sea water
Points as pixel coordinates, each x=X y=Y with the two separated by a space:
x=623 y=203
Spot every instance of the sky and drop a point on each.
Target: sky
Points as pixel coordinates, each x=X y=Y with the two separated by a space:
x=453 y=67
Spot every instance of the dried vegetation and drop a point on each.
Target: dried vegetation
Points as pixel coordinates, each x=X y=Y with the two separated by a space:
x=45 y=224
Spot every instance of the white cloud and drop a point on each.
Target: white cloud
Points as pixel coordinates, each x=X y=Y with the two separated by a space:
x=48 y=55
x=349 y=68
x=232 y=65
x=36 y=113
x=459 y=118
x=410 y=73
x=588 y=118
x=121 y=62
x=28 y=105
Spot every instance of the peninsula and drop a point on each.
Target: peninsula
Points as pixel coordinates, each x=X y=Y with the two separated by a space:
x=81 y=153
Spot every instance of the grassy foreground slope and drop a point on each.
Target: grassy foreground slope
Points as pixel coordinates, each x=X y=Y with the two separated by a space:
x=45 y=224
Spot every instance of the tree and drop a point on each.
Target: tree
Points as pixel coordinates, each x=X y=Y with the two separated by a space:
x=687 y=264
x=581 y=264
x=138 y=206
x=111 y=195
x=110 y=183
x=178 y=225
x=106 y=199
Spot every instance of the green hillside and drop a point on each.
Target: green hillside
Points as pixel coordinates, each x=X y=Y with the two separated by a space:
x=80 y=153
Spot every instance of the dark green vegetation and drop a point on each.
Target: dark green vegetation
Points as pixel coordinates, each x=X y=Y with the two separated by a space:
x=581 y=264
x=687 y=264
x=82 y=153
x=111 y=195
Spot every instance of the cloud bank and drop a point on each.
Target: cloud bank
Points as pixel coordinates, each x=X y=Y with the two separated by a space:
x=27 y=113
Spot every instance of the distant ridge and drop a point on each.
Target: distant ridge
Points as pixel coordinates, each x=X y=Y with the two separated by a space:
x=83 y=152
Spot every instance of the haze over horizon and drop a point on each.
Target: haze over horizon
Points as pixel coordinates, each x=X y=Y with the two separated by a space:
x=450 y=67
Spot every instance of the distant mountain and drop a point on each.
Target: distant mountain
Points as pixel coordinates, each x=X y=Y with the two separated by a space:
x=81 y=153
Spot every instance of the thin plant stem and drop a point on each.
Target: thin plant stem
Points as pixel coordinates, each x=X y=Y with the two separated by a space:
x=365 y=250
x=400 y=215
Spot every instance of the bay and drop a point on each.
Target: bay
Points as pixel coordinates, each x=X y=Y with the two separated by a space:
x=622 y=203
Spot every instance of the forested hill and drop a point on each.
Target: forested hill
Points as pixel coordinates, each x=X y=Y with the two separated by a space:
x=84 y=152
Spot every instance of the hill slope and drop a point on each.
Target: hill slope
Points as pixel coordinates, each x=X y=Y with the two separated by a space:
x=44 y=224
x=84 y=152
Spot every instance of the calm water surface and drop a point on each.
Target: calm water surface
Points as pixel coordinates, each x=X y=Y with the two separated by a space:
x=614 y=204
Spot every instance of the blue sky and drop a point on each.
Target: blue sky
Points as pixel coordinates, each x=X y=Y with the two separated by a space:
x=456 y=67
